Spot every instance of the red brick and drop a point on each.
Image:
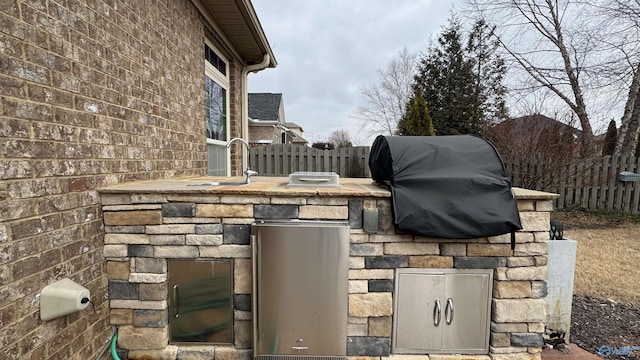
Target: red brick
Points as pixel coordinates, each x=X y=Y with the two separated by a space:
x=140 y=65
x=16 y=169
x=34 y=188
x=27 y=110
x=21 y=288
x=31 y=227
x=26 y=149
x=50 y=95
x=77 y=184
x=48 y=131
x=35 y=354
x=10 y=7
x=11 y=86
x=7 y=315
x=28 y=71
x=10 y=352
x=20 y=249
x=34 y=264
x=17 y=129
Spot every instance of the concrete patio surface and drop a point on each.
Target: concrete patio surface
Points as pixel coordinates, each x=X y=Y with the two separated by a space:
x=576 y=353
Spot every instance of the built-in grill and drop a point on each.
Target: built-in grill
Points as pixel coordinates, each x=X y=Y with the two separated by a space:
x=452 y=187
x=300 y=293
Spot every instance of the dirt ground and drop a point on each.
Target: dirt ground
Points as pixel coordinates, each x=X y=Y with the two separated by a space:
x=604 y=324
x=606 y=304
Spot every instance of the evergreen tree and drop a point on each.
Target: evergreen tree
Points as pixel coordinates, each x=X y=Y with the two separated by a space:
x=610 y=139
x=416 y=121
x=489 y=70
x=462 y=85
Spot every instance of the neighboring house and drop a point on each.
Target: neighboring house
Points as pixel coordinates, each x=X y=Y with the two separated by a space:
x=296 y=134
x=540 y=128
x=524 y=126
x=536 y=131
x=93 y=94
x=267 y=124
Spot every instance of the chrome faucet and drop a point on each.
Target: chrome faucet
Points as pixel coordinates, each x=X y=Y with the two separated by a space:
x=248 y=172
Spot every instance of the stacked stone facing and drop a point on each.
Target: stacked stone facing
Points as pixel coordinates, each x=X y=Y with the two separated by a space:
x=143 y=231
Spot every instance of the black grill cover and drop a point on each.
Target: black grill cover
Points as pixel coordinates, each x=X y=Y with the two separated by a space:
x=451 y=187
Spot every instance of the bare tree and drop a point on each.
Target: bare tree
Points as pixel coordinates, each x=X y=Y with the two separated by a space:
x=533 y=34
x=624 y=18
x=385 y=100
x=340 y=138
x=630 y=123
x=538 y=151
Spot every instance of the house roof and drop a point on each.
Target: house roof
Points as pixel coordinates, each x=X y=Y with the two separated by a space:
x=238 y=21
x=264 y=106
x=538 y=122
x=293 y=125
x=299 y=140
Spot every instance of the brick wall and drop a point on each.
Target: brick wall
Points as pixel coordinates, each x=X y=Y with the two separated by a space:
x=91 y=93
x=263 y=133
x=157 y=227
x=235 y=108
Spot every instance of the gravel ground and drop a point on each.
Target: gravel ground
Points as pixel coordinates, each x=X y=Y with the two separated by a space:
x=597 y=323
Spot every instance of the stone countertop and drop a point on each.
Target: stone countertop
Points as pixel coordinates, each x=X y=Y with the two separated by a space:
x=272 y=186
x=260 y=185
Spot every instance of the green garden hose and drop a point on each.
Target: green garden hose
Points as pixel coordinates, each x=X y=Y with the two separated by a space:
x=114 y=352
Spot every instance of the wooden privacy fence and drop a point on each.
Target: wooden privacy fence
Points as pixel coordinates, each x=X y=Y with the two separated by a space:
x=589 y=183
x=284 y=159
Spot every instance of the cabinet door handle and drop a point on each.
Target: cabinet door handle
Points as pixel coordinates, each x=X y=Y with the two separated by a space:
x=436 y=313
x=176 y=304
x=254 y=298
x=448 y=311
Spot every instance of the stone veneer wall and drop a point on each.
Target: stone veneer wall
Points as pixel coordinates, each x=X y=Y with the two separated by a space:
x=144 y=230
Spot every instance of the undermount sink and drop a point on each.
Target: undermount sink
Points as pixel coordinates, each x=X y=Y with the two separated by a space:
x=219 y=183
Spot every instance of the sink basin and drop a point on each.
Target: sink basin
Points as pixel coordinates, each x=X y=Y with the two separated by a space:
x=232 y=183
x=219 y=183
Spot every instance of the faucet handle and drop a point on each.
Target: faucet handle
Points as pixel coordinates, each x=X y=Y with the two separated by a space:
x=250 y=172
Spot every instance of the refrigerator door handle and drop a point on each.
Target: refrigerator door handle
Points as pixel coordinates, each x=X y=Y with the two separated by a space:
x=254 y=295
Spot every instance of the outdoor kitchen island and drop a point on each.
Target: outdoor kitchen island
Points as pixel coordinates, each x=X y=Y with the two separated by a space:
x=155 y=227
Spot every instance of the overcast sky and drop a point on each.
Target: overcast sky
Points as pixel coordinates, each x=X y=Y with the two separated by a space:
x=327 y=49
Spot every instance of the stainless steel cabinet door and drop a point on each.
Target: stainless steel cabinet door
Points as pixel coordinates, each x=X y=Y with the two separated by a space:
x=442 y=311
x=200 y=301
x=465 y=312
x=419 y=310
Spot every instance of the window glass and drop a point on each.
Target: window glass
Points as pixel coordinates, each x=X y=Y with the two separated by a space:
x=216 y=160
x=215 y=110
x=215 y=60
x=216 y=84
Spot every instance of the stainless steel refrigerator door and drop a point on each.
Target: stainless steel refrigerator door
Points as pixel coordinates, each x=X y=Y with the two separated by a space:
x=301 y=288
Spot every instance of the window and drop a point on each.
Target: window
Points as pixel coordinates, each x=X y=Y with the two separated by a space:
x=216 y=83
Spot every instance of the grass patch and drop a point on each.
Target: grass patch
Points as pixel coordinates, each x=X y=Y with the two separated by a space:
x=607 y=262
x=578 y=218
x=607 y=265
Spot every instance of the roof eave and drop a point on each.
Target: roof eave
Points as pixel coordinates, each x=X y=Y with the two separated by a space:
x=259 y=31
x=254 y=51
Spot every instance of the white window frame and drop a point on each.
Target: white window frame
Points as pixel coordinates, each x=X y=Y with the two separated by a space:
x=222 y=80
